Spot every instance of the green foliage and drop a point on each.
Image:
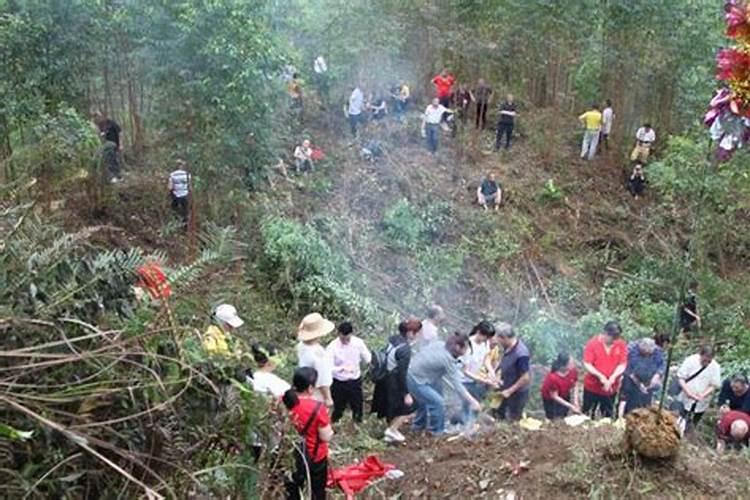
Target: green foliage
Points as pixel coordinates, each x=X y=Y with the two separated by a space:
x=550 y=193
x=403 y=227
x=439 y=265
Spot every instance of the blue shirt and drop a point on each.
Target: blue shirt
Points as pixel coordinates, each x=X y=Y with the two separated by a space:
x=642 y=365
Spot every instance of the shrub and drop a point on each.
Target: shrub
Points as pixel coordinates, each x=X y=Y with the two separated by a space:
x=403 y=226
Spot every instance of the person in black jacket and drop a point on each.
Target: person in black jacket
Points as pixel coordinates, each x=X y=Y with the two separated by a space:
x=735 y=395
x=391 y=399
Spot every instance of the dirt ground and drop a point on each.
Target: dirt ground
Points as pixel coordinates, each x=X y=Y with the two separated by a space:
x=558 y=461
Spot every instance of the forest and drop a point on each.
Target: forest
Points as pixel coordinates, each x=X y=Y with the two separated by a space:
x=117 y=381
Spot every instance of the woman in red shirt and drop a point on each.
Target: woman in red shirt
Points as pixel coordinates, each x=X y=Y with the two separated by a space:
x=310 y=418
x=557 y=387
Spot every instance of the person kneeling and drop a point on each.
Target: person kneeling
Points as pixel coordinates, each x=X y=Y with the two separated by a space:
x=490 y=191
x=310 y=418
x=734 y=430
x=637 y=182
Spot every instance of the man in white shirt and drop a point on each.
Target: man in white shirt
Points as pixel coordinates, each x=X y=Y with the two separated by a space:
x=179 y=190
x=354 y=109
x=699 y=376
x=644 y=139
x=347 y=351
x=431 y=120
x=608 y=117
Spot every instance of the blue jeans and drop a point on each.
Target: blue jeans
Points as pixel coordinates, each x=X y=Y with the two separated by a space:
x=479 y=392
x=433 y=134
x=430 y=405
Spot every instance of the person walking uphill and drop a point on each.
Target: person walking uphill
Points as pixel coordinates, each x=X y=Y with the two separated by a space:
x=592 y=121
x=482 y=94
x=347 y=351
x=437 y=361
x=391 y=399
x=444 y=87
x=605 y=358
x=311 y=354
x=431 y=119
x=515 y=376
x=310 y=418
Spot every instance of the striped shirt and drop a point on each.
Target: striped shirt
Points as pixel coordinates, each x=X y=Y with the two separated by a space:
x=179 y=181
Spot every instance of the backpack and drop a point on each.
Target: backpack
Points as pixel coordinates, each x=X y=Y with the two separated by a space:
x=379 y=365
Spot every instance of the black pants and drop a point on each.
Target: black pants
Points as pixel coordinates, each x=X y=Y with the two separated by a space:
x=180 y=207
x=318 y=478
x=504 y=128
x=553 y=409
x=347 y=394
x=592 y=401
x=445 y=101
x=604 y=141
x=481 y=119
x=511 y=409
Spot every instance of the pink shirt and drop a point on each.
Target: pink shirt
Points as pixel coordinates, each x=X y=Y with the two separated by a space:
x=347 y=358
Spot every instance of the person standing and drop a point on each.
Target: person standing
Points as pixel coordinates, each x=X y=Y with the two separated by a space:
x=310 y=418
x=515 y=375
x=644 y=139
x=643 y=375
x=506 y=122
x=294 y=88
x=427 y=370
x=179 y=191
x=463 y=99
x=431 y=120
x=430 y=331
x=473 y=362
x=320 y=70
x=689 y=317
x=347 y=351
x=311 y=354
x=391 y=399
x=698 y=377
x=605 y=358
x=355 y=109
x=444 y=87
x=560 y=388
x=402 y=99
x=592 y=122
x=111 y=136
x=482 y=94
x=608 y=117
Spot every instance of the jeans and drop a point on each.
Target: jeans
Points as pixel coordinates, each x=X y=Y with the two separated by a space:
x=478 y=392
x=506 y=129
x=590 y=142
x=430 y=404
x=433 y=135
x=592 y=401
x=345 y=394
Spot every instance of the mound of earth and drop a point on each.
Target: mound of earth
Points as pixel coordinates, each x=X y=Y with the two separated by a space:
x=559 y=460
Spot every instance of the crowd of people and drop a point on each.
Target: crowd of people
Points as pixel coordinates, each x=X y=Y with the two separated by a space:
x=421 y=369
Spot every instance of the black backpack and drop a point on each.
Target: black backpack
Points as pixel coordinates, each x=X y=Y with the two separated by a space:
x=379 y=363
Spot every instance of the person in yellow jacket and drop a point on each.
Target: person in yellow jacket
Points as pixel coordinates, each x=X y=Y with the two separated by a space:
x=216 y=338
x=592 y=121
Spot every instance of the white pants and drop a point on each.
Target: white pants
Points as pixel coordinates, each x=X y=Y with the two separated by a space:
x=590 y=141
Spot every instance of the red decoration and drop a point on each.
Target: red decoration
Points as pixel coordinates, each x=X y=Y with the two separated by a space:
x=154 y=280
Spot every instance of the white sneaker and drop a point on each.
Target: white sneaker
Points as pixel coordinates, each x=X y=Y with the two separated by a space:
x=392 y=436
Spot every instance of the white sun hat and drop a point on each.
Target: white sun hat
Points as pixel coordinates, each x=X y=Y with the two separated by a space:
x=228 y=314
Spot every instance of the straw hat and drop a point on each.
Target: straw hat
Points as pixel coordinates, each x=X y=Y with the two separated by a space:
x=314 y=326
